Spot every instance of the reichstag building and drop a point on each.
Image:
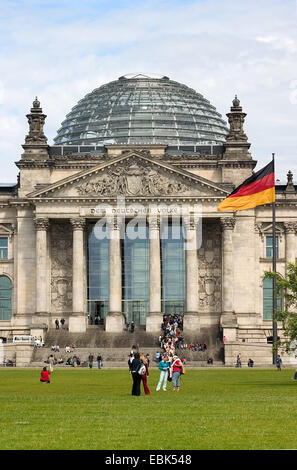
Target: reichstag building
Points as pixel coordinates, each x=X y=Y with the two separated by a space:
x=117 y=220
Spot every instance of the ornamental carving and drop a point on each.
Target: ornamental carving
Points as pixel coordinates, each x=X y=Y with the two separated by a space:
x=78 y=223
x=290 y=227
x=134 y=179
x=228 y=223
x=210 y=270
x=61 y=267
x=36 y=121
x=41 y=223
x=236 y=121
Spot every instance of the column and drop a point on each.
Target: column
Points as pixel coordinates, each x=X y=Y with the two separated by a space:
x=228 y=318
x=290 y=228
x=41 y=225
x=191 y=318
x=115 y=319
x=154 y=318
x=78 y=320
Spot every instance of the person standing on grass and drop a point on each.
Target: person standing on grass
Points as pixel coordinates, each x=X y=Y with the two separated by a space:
x=91 y=359
x=51 y=362
x=45 y=376
x=176 y=373
x=134 y=367
x=164 y=367
x=145 y=376
x=279 y=363
x=99 y=361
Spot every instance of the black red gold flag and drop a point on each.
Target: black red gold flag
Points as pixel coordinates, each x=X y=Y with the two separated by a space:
x=256 y=190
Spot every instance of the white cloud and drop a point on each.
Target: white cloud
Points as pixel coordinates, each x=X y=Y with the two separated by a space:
x=217 y=47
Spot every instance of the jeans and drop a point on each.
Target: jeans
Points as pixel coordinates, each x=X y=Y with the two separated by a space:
x=175 y=379
x=163 y=378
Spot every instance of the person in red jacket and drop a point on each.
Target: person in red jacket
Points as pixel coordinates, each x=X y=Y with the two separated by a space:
x=145 y=376
x=176 y=372
x=45 y=376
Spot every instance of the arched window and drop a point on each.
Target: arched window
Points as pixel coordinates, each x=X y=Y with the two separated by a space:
x=5 y=298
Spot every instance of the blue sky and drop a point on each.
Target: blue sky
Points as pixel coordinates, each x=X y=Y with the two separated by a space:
x=61 y=50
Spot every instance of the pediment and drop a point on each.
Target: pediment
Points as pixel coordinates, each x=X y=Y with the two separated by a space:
x=131 y=175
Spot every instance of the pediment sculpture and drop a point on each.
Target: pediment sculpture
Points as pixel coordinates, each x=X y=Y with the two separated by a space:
x=137 y=179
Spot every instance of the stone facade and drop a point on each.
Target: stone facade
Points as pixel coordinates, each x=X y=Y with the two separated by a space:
x=46 y=216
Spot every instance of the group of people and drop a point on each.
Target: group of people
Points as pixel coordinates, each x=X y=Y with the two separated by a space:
x=130 y=326
x=197 y=347
x=57 y=323
x=170 y=366
x=38 y=342
x=73 y=361
x=137 y=361
x=98 y=359
x=96 y=320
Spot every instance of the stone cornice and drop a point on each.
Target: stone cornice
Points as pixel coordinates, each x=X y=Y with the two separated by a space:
x=130 y=157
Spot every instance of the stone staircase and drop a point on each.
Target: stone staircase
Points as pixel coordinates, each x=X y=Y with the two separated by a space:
x=115 y=347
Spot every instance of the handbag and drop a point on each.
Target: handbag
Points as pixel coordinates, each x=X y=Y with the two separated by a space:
x=142 y=370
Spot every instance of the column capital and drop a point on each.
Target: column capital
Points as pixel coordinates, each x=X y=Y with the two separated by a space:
x=154 y=223
x=78 y=223
x=227 y=223
x=113 y=223
x=41 y=223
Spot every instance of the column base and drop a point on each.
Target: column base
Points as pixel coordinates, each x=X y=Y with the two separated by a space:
x=77 y=324
x=153 y=322
x=115 y=322
x=191 y=323
x=40 y=320
x=229 y=320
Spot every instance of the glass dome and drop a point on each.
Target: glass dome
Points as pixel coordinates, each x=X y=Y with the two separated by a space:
x=142 y=109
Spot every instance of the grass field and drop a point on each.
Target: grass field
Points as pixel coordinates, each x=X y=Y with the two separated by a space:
x=91 y=409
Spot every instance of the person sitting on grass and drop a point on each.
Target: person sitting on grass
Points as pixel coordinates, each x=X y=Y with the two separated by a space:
x=45 y=376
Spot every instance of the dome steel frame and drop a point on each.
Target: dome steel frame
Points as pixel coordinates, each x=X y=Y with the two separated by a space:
x=139 y=109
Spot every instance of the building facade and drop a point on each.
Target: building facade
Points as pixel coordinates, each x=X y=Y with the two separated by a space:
x=118 y=221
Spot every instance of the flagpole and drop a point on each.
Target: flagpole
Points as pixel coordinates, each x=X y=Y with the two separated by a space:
x=274 y=321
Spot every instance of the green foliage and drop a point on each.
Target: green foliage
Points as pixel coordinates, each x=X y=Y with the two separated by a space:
x=286 y=286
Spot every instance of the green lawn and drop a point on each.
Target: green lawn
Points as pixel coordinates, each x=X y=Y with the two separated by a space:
x=92 y=409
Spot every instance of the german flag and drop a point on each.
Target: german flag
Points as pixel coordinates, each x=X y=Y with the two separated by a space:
x=258 y=189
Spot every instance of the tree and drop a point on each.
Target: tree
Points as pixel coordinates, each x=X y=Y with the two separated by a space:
x=286 y=287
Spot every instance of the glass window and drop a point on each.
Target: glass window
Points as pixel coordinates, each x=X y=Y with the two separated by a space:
x=268 y=299
x=135 y=274
x=5 y=298
x=3 y=247
x=173 y=270
x=98 y=273
x=269 y=247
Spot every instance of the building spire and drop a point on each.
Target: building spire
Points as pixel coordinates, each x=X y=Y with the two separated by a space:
x=36 y=121
x=36 y=142
x=290 y=188
x=236 y=120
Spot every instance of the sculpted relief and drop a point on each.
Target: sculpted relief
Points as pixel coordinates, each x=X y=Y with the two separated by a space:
x=133 y=180
x=210 y=269
x=61 y=267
